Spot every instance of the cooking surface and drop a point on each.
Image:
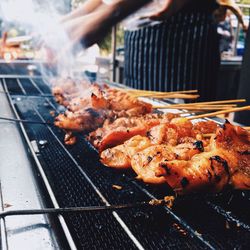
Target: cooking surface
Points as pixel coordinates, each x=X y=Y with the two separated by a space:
x=77 y=178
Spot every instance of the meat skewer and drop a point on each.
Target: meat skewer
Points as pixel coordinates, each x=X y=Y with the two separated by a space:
x=160 y=149
x=66 y=210
x=177 y=131
x=226 y=162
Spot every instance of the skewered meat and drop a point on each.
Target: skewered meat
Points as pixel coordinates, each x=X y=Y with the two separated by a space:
x=89 y=112
x=122 y=129
x=235 y=143
x=161 y=134
x=166 y=133
x=120 y=156
x=148 y=163
x=226 y=163
x=185 y=167
x=205 y=171
x=87 y=120
x=204 y=127
x=65 y=90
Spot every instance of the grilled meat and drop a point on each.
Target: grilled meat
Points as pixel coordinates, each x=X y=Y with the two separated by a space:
x=205 y=171
x=166 y=133
x=88 y=112
x=150 y=164
x=122 y=129
x=187 y=166
x=226 y=162
x=87 y=120
x=120 y=156
x=234 y=141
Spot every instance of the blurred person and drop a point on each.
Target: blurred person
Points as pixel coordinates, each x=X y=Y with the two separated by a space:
x=224 y=29
x=175 y=47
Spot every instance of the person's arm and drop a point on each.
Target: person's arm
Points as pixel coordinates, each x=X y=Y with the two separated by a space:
x=86 y=8
x=91 y=28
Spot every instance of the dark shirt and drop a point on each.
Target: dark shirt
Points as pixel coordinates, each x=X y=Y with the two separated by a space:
x=201 y=5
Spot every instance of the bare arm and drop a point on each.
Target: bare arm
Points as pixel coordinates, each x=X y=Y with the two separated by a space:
x=91 y=28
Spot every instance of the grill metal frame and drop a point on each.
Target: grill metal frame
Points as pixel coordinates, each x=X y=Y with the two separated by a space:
x=184 y=225
x=44 y=178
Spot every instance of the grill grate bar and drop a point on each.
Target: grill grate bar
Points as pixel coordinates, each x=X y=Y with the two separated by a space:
x=45 y=180
x=21 y=86
x=39 y=96
x=41 y=92
x=173 y=215
x=35 y=85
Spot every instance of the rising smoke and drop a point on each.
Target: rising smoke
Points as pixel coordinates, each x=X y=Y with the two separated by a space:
x=42 y=19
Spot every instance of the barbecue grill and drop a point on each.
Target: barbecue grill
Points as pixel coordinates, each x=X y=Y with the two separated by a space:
x=68 y=176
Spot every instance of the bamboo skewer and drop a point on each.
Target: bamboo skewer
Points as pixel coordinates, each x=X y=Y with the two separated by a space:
x=160 y=92
x=219 y=113
x=208 y=107
x=167 y=96
x=211 y=134
x=201 y=103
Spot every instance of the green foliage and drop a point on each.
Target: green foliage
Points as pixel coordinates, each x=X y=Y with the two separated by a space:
x=243 y=1
x=245 y=10
x=105 y=44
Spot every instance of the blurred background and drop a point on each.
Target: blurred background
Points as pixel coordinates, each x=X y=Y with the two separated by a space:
x=105 y=60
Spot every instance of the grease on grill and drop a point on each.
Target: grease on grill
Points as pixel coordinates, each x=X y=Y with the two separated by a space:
x=52 y=113
x=169 y=200
x=180 y=229
x=117 y=187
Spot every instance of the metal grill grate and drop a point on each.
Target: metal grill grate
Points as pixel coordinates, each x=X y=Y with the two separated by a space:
x=78 y=179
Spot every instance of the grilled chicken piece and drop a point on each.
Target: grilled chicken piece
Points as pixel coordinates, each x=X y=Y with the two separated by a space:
x=146 y=163
x=170 y=133
x=166 y=133
x=92 y=97
x=65 y=90
x=95 y=104
x=149 y=163
x=88 y=120
x=120 y=100
x=205 y=127
x=235 y=143
x=77 y=96
x=120 y=156
x=205 y=171
x=226 y=163
x=122 y=129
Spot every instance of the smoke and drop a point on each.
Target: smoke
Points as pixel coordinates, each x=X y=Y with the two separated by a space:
x=42 y=20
